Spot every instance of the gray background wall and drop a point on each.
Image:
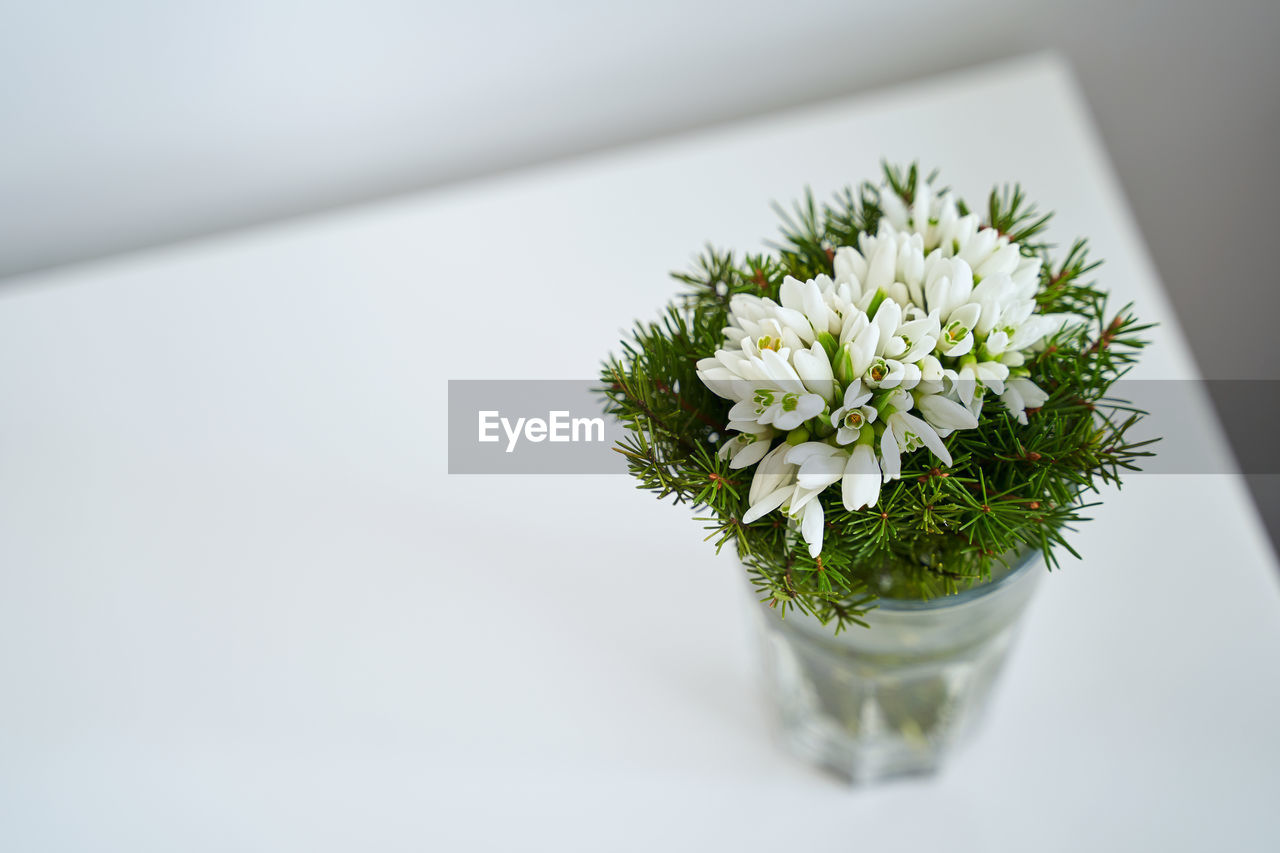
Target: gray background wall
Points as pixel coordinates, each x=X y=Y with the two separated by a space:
x=130 y=123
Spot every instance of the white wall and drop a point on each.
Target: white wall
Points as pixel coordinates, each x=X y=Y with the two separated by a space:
x=130 y=123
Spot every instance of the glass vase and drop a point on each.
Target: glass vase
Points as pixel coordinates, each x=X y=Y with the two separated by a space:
x=892 y=699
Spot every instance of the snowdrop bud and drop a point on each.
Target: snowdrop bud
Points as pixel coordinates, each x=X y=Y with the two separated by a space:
x=888 y=317
x=979 y=246
x=828 y=343
x=936 y=294
x=897 y=292
x=1026 y=277
x=850 y=266
x=894 y=209
x=814 y=369
x=815 y=305
x=844 y=370
x=1003 y=262
x=961 y=284
x=790 y=294
x=854 y=323
x=911 y=262
x=880 y=271
x=920 y=207
x=863 y=348
x=930 y=369
x=900 y=399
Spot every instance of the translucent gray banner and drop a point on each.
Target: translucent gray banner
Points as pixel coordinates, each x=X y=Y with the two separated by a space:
x=539 y=426
x=499 y=426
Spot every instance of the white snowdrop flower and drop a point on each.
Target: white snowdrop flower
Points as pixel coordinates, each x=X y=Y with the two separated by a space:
x=820 y=466
x=784 y=410
x=1021 y=394
x=885 y=373
x=957 y=335
x=772 y=485
x=905 y=433
x=747 y=447
x=855 y=414
x=817 y=470
x=917 y=338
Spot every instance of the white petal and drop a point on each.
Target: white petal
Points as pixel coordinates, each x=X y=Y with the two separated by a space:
x=890 y=460
x=854 y=322
x=863 y=348
x=751 y=454
x=936 y=293
x=930 y=368
x=895 y=210
x=966 y=315
x=855 y=395
x=850 y=266
x=807 y=406
x=767 y=504
x=801 y=453
x=722 y=382
x=881 y=265
x=790 y=294
x=1004 y=261
x=811 y=527
x=744 y=410
x=780 y=371
x=888 y=318
x=944 y=413
x=822 y=469
x=815 y=371
x=772 y=473
x=815 y=307
x=962 y=348
x=861 y=484
x=961 y=285
x=1032 y=393
x=797 y=322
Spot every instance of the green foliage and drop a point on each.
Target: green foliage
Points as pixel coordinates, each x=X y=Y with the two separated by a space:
x=933 y=532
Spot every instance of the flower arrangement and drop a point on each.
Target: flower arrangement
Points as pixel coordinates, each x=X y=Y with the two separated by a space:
x=899 y=395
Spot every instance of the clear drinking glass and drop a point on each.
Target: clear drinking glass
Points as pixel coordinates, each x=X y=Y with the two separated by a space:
x=892 y=699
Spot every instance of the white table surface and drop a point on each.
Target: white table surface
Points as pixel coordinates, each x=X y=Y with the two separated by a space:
x=244 y=607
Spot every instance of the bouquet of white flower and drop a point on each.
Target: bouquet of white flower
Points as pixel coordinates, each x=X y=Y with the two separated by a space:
x=938 y=366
